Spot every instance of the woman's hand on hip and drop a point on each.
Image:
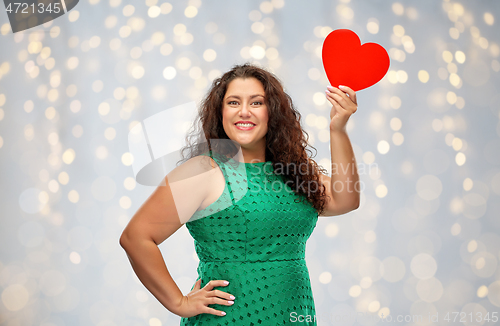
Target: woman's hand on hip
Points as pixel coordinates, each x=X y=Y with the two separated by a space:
x=196 y=302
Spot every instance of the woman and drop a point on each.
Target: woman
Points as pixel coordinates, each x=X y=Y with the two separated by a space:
x=250 y=197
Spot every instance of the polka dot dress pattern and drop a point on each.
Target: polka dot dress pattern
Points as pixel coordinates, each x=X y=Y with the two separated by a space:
x=254 y=236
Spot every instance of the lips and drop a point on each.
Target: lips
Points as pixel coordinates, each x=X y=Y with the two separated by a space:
x=249 y=125
x=245 y=122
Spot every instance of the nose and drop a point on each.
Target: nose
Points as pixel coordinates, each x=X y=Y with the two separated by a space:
x=245 y=112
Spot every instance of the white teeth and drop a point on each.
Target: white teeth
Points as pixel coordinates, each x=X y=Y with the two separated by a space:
x=245 y=124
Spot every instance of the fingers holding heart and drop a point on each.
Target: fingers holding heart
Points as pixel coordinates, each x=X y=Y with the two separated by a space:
x=337 y=97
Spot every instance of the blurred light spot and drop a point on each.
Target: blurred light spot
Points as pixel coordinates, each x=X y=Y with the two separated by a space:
x=179 y=29
x=460 y=159
x=325 y=277
x=370 y=236
x=398 y=8
x=319 y=98
x=355 y=291
x=50 y=113
x=484 y=264
x=398 y=30
x=257 y=28
x=128 y=10
x=402 y=76
x=372 y=26
x=75 y=258
x=482 y=291
x=381 y=191
x=460 y=57
x=332 y=230
x=452 y=68
x=154 y=11
x=77 y=131
x=166 y=8
x=273 y=54
x=97 y=86
x=494 y=293
x=166 y=49
x=138 y=72
x=53 y=186
x=255 y=15
x=169 y=73
x=395 y=102
x=72 y=63
x=127 y=159
x=209 y=55
x=451 y=97
x=73 y=196
x=15 y=297
x=365 y=282
x=374 y=306
x=63 y=178
x=183 y=63
x=29 y=132
x=278 y=3
x=368 y=157
x=455 y=229
x=397 y=138
x=266 y=7
x=124 y=31
x=257 y=52
x=423 y=76
x=101 y=152
x=457 y=144
x=125 y=202
x=447 y=56
x=383 y=147
x=395 y=124
x=345 y=11
x=154 y=322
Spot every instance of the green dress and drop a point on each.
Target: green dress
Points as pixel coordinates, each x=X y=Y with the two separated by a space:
x=254 y=236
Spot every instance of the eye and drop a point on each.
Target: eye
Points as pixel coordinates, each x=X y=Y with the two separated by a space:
x=257 y=103
x=232 y=102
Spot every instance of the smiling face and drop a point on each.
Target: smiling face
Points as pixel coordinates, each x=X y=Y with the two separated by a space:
x=245 y=115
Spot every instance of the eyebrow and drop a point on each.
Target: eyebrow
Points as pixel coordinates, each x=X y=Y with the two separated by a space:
x=239 y=98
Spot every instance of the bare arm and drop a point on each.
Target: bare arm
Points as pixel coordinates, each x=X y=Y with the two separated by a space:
x=342 y=188
x=161 y=215
x=156 y=219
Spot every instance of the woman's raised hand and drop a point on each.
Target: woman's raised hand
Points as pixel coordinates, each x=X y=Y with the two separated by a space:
x=342 y=106
x=196 y=302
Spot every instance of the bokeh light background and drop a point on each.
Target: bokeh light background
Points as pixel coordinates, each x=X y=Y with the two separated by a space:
x=425 y=238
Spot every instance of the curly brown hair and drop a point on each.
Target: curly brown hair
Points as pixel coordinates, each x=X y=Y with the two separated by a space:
x=286 y=141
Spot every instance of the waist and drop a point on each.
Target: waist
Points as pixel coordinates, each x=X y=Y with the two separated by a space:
x=299 y=259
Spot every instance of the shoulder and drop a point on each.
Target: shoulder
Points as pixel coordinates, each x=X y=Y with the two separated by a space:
x=194 y=166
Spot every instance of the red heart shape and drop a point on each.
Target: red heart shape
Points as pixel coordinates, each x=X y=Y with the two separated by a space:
x=349 y=63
